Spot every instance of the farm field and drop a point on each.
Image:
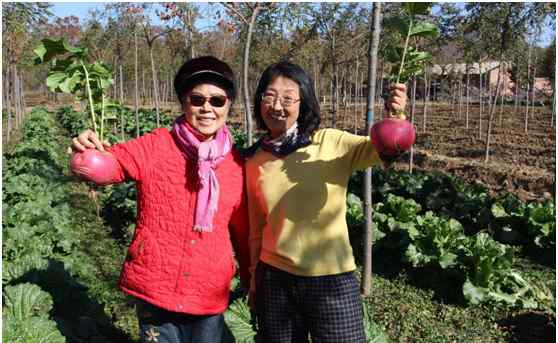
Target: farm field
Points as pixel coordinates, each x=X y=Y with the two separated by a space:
x=519 y=162
x=408 y=304
x=460 y=247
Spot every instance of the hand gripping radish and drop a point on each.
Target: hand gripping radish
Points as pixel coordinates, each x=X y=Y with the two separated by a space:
x=393 y=135
x=90 y=161
x=94 y=165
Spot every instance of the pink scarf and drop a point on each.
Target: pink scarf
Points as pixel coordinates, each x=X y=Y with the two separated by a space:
x=208 y=155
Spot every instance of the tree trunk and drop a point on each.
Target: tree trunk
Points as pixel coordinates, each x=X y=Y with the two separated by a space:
x=480 y=100
x=502 y=104
x=425 y=99
x=22 y=93
x=382 y=103
x=533 y=90
x=191 y=47
x=492 y=107
x=527 y=107
x=334 y=96
x=459 y=97
x=245 y=84
x=17 y=97
x=121 y=100
x=528 y=88
x=467 y=99
x=413 y=104
x=362 y=104
x=379 y=86
x=155 y=84
x=516 y=104
x=355 y=101
x=344 y=89
x=143 y=96
x=453 y=93
x=316 y=79
x=136 y=82
x=553 y=118
x=10 y=99
x=366 y=280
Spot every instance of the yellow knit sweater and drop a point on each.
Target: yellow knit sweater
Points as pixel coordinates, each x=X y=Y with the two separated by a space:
x=297 y=204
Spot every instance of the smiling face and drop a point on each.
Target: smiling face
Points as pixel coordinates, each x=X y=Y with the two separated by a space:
x=206 y=118
x=279 y=118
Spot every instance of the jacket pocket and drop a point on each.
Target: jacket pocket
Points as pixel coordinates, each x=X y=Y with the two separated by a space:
x=144 y=252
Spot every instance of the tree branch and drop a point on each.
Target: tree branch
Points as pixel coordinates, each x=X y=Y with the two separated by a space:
x=235 y=11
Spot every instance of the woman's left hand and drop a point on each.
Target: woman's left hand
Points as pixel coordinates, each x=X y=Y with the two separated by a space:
x=397 y=98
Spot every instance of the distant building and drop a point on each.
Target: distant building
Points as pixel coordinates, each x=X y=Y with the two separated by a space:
x=489 y=72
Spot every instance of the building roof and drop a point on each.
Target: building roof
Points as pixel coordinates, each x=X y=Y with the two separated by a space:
x=449 y=68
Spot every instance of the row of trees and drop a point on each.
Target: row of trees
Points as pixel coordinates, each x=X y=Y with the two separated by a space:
x=329 y=39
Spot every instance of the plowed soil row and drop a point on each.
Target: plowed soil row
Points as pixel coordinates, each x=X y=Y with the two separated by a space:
x=520 y=162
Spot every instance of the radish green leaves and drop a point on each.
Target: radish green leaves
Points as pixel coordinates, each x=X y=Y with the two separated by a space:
x=407 y=60
x=72 y=73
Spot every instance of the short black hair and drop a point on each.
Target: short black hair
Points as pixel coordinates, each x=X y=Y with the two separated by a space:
x=309 y=117
x=201 y=70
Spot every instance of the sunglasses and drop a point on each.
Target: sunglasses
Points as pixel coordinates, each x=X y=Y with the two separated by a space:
x=215 y=100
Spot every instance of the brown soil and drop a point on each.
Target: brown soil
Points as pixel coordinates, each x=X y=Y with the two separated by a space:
x=519 y=162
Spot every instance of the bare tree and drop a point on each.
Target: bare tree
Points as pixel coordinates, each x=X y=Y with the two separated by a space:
x=372 y=63
x=234 y=10
x=413 y=105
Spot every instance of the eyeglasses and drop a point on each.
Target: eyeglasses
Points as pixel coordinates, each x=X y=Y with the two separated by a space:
x=269 y=99
x=214 y=100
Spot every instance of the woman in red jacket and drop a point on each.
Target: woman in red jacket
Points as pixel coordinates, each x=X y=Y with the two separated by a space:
x=191 y=203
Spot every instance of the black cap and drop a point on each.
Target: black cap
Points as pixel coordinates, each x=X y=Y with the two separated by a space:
x=204 y=69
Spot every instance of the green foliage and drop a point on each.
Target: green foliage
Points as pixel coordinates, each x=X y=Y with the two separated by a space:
x=408 y=60
x=530 y=224
x=355 y=214
x=490 y=276
x=239 y=137
x=507 y=218
x=541 y=224
x=438 y=241
x=26 y=300
x=71 y=73
x=374 y=334
x=25 y=315
x=120 y=209
x=43 y=245
x=32 y=330
x=417 y=8
x=239 y=321
x=75 y=122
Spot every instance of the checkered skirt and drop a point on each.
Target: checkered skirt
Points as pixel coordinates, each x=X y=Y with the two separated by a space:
x=292 y=307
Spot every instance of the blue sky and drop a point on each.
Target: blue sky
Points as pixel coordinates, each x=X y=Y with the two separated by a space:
x=81 y=10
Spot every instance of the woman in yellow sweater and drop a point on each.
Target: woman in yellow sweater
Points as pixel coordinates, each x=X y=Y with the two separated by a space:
x=297 y=176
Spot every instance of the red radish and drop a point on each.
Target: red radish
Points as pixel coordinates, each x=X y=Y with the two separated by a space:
x=94 y=165
x=392 y=136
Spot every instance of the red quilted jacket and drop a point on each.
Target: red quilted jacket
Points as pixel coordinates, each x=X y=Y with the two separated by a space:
x=168 y=264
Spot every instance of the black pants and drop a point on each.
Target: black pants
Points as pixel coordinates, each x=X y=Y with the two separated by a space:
x=291 y=307
x=161 y=326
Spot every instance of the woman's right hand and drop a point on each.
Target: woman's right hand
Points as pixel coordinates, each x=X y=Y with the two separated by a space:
x=88 y=139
